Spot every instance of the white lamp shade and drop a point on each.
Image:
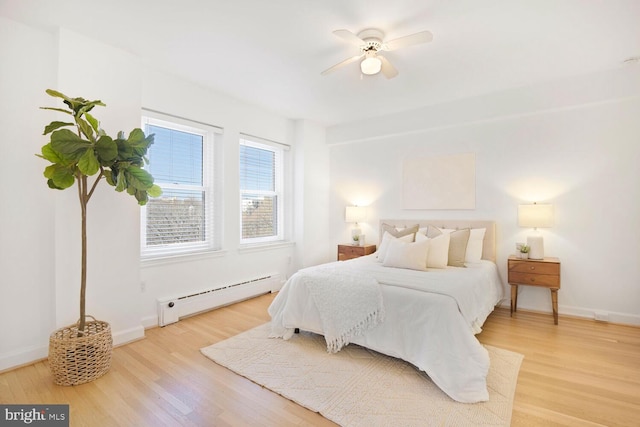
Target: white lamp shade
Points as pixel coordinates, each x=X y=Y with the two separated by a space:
x=534 y=216
x=371 y=65
x=355 y=213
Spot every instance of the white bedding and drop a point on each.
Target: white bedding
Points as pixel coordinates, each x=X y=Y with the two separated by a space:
x=430 y=319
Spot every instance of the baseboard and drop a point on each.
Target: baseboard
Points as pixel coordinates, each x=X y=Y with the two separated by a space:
x=31 y=355
x=584 y=313
x=23 y=357
x=128 y=335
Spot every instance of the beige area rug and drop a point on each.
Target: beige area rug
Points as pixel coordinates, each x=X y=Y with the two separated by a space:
x=359 y=387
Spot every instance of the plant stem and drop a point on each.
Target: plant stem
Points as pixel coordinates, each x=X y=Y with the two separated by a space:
x=82 y=189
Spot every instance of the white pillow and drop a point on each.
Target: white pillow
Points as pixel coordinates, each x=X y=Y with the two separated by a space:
x=438 y=253
x=474 y=246
x=407 y=255
x=384 y=244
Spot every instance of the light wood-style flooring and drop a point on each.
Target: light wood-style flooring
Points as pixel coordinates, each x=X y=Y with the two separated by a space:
x=579 y=373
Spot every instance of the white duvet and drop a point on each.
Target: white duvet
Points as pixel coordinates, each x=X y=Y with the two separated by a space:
x=430 y=319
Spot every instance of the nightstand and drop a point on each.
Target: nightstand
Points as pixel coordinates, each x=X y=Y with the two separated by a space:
x=346 y=252
x=544 y=273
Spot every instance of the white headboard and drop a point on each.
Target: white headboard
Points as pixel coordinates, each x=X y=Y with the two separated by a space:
x=488 y=246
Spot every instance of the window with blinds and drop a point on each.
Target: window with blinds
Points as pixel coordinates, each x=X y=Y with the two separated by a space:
x=261 y=171
x=181 y=162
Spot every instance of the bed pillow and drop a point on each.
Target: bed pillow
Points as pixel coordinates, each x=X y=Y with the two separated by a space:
x=474 y=247
x=395 y=232
x=384 y=244
x=458 y=247
x=457 y=243
x=438 y=252
x=410 y=255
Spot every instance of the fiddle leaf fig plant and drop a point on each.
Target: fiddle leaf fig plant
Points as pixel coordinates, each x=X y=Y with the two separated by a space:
x=81 y=153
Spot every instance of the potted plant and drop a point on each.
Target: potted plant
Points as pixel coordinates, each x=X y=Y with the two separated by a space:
x=524 y=251
x=81 y=153
x=356 y=239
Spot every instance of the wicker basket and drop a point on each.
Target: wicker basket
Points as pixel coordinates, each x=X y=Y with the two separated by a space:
x=77 y=360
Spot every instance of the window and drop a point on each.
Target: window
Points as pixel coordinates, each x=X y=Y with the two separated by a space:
x=261 y=190
x=181 y=162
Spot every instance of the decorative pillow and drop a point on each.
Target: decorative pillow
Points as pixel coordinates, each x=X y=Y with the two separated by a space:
x=474 y=247
x=438 y=252
x=458 y=247
x=407 y=255
x=457 y=244
x=384 y=244
x=399 y=232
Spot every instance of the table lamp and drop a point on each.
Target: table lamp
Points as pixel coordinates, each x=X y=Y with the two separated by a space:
x=535 y=216
x=355 y=214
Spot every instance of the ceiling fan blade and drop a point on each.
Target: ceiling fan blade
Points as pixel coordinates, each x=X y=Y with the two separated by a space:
x=387 y=69
x=342 y=64
x=348 y=36
x=421 y=37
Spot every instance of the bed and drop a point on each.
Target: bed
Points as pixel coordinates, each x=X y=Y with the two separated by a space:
x=428 y=317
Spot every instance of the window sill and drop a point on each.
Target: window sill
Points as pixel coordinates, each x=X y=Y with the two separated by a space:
x=156 y=260
x=259 y=247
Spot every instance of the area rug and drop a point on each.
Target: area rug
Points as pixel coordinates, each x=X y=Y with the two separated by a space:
x=359 y=387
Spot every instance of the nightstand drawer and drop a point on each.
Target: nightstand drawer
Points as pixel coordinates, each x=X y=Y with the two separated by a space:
x=533 y=267
x=346 y=252
x=548 y=280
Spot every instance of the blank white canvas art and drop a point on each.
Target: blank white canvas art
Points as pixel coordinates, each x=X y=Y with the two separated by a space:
x=439 y=182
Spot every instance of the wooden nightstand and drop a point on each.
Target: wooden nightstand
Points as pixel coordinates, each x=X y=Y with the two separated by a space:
x=534 y=272
x=346 y=252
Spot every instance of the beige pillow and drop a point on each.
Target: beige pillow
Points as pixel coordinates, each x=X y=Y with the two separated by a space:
x=458 y=247
x=407 y=255
x=399 y=233
x=457 y=243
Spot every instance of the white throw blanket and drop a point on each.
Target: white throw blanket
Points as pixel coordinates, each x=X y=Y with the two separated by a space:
x=348 y=303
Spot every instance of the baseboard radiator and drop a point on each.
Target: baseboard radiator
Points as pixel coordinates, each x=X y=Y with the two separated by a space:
x=170 y=310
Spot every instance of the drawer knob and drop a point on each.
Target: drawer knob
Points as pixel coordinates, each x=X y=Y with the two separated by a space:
x=532 y=268
x=533 y=279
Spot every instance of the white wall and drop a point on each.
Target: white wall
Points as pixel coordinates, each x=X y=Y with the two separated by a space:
x=40 y=228
x=184 y=275
x=582 y=158
x=27 y=217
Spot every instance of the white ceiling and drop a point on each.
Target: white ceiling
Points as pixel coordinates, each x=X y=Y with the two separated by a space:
x=271 y=53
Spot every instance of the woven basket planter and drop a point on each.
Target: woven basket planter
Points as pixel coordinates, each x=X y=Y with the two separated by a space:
x=74 y=359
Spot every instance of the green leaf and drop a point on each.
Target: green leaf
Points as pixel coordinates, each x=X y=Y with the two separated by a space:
x=53 y=185
x=57 y=94
x=154 y=191
x=55 y=125
x=50 y=154
x=49 y=171
x=62 y=177
x=88 y=164
x=57 y=109
x=85 y=128
x=109 y=176
x=68 y=143
x=139 y=178
x=121 y=183
x=142 y=197
x=107 y=149
x=95 y=124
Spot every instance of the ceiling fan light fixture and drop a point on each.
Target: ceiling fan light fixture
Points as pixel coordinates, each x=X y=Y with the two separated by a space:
x=370 y=65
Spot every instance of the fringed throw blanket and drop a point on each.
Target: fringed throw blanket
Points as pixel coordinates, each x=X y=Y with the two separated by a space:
x=348 y=304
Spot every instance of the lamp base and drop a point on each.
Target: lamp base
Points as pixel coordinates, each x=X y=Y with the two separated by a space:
x=536 y=247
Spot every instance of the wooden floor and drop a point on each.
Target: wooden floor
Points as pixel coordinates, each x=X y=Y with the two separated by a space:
x=579 y=373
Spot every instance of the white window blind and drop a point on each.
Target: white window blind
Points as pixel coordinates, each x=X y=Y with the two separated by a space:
x=181 y=162
x=261 y=191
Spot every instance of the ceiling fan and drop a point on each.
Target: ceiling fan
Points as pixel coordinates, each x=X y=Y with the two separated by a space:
x=370 y=42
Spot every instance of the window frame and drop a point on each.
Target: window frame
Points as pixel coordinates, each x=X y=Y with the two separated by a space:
x=209 y=187
x=279 y=188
